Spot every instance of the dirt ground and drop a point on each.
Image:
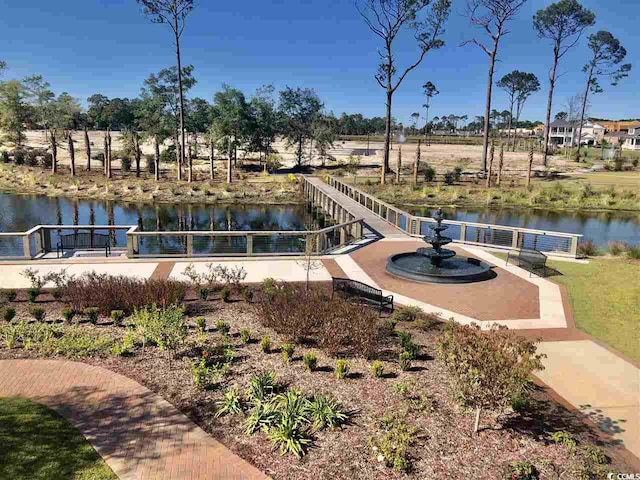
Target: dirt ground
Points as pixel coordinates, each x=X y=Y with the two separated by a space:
x=440 y=156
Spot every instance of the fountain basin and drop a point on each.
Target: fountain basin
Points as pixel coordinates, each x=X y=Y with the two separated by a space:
x=418 y=268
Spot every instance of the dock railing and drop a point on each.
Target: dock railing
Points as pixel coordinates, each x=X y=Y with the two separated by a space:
x=42 y=239
x=471 y=233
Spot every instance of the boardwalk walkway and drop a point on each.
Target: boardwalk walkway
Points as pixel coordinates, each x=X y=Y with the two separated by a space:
x=139 y=435
x=374 y=222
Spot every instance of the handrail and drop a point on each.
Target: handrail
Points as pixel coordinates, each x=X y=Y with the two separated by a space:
x=412 y=225
x=42 y=236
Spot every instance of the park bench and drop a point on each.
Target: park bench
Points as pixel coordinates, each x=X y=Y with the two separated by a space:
x=354 y=288
x=85 y=241
x=529 y=259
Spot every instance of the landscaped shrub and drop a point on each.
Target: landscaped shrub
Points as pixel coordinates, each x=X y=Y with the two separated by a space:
x=204 y=377
x=310 y=361
x=450 y=177
x=342 y=369
x=125 y=162
x=565 y=438
x=429 y=173
x=37 y=313
x=247 y=293
x=634 y=252
x=428 y=321
x=265 y=344
x=68 y=313
x=225 y=294
x=203 y=293
x=299 y=314
x=245 y=336
x=5 y=156
x=394 y=438
x=8 y=313
x=487 y=369
x=222 y=326
x=92 y=314
x=201 y=325
x=126 y=345
x=406 y=314
x=405 y=361
x=407 y=344
x=287 y=350
x=32 y=294
x=377 y=368
x=77 y=342
x=521 y=470
x=262 y=386
x=231 y=404
x=167 y=328
x=107 y=292
x=616 y=248
x=288 y=431
x=19 y=156
x=10 y=335
x=229 y=354
x=587 y=248
x=117 y=316
x=8 y=295
x=325 y=411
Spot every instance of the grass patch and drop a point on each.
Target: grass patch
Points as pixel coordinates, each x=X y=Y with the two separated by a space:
x=36 y=443
x=604 y=297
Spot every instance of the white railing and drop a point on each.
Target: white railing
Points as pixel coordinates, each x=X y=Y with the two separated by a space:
x=500 y=236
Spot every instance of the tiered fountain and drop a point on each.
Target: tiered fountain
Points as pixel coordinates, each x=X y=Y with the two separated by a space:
x=436 y=264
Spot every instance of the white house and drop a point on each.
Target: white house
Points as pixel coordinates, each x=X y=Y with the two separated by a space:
x=632 y=139
x=565 y=133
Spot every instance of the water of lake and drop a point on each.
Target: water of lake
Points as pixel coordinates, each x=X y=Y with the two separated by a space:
x=600 y=227
x=21 y=212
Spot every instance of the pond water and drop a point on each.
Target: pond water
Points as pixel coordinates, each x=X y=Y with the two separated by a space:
x=599 y=227
x=22 y=212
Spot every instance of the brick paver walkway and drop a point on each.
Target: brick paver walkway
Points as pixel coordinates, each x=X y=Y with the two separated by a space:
x=139 y=435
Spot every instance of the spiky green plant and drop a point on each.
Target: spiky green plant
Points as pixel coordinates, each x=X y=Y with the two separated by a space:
x=310 y=361
x=325 y=411
x=262 y=386
x=231 y=404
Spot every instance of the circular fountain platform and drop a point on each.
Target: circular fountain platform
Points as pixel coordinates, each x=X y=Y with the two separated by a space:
x=418 y=268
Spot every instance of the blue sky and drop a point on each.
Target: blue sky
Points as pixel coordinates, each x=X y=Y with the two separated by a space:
x=108 y=46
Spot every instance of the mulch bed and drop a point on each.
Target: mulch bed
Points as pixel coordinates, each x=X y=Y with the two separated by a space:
x=444 y=449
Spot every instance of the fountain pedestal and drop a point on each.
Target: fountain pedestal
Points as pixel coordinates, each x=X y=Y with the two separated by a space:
x=436 y=264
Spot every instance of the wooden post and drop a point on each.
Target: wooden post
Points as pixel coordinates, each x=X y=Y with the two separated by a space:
x=492 y=152
x=87 y=147
x=416 y=165
x=500 y=165
x=72 y=156
x=399 y=164
x=530 y=165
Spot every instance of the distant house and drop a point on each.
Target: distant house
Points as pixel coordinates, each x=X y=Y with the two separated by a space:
x=564 y=133
x=631 y=141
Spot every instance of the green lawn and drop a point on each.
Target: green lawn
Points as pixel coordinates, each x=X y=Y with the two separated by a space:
x=605 y=297
x=36 y=443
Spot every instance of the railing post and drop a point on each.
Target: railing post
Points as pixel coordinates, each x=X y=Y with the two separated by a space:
x=39 y=240
x=130 y=245
x=514 y=240
x=26 y=245
x=343 y=236
x=189 y=245
x=249 y=244
x=574 y=247
x=463 y=232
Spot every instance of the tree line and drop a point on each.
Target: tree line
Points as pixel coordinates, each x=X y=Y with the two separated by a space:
x=162 y=111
